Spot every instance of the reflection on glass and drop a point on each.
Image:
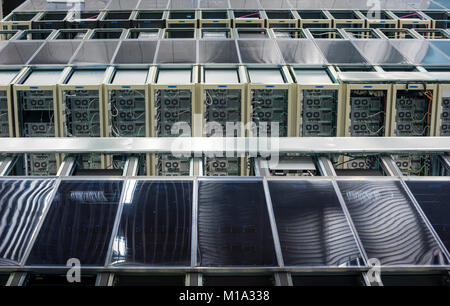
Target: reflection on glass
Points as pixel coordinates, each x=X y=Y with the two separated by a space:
x=311 y=225
x=155 y=226
x=22 y=203
x=390 y=228
x=233 y=224
x=79 y=224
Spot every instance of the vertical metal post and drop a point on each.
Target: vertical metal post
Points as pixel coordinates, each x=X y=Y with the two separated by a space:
x=194 y=279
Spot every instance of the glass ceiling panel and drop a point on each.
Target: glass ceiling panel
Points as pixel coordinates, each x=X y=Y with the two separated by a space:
x=311 y=224
x=301 y=52
x=421 y=52
x=233 y=224
x=380 y=52
x=155 y=226
x=79 y=224
x=340 y=52
x=390 y=228
x=22 y=204
x=432 y=197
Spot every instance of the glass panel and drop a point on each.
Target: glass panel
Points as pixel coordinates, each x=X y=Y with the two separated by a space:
x=340 y=52
x=218 y=52
x=79 y=224
x=390 y=228
x=443 y=45
x=55 y=52
x=233 y=224
x=223 y=4
x=183 y=4
x=421 y=52
x=248 y=4
x=380 y=52
x=155 y=226
x=177 y=52
x=22 y=203
x=312 y=227
x=122 y=5
x=153 y=4
x=136 y=52
x=95 y=52
x=301 y=52
x=18 y=52
x=259 y=52
x=432 y=197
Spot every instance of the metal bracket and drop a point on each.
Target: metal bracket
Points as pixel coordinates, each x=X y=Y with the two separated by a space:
x=104 y=279
x=67 y=166
x=16 y=279
x=131 y=167
x=7 y=164
x=326 y=166
x=283 y=279
x=390 y=167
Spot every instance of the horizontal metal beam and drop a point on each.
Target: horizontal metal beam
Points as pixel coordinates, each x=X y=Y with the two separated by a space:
x=240 y=145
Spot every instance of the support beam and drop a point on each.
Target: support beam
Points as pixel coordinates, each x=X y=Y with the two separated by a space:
x=131 y=167
x=326 y=167
x=194 y=279
x=16 y=279
x=283 y=279
x=390 y=167
x=67 y=166
x=7 y=164
x=196 y=167
x=104 y=280
x=261 y=167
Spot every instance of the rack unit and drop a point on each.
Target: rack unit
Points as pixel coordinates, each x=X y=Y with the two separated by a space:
x=182 y=19
x=223 y=102
x=314 y=19
x=319 y=102
x=270 y=96
x=82 y=108
x=214 y=19
x=247 y=18
x=346 y=19
x=128 y=106
x=172 y=99
x=19 y=20
x=281 y=19
x=36 y=114
x=8 y=77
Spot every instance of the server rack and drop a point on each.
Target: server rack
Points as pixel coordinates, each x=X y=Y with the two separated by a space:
x=319 y=102
x=84 y=19
x=8 y=34
x=82 y=108
x=412 y=19
x=346 y=19
x=440 y=19
x=142 y=33
x=173 y=94
x=36 y=114
x=270 y=96
x=19 y=20
x=379 y=19
x=247 y=18
x=150 y=19
x=222 y=100
x=182 y=19
x=35 y=35
x=70 y=34
x=127 y=104
x=51 y=20
x=117 y=19
x=314 y=19
x=281 y=19
x=8 y=76
x=377 y=95
x=214 y=19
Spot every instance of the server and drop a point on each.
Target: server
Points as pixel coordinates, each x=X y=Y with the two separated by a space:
x=147 y=34
x=367 y=103
x=413 y=109
x=172 y=97
x=223 y=111
x=441 y=109
x=116 y=19
x=36 y=114
x=128 y=107
x=8 y=76
x=319 y=102
x=214 y=19
x=270 y=100
x=82 y=109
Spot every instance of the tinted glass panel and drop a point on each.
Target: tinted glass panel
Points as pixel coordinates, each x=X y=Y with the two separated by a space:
x=340 y=52
x=311 y=225
x=390 y=228
x=155 y=226
x=233 y=224
x=22 y=203
x=433 y=198
x=78 y=224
